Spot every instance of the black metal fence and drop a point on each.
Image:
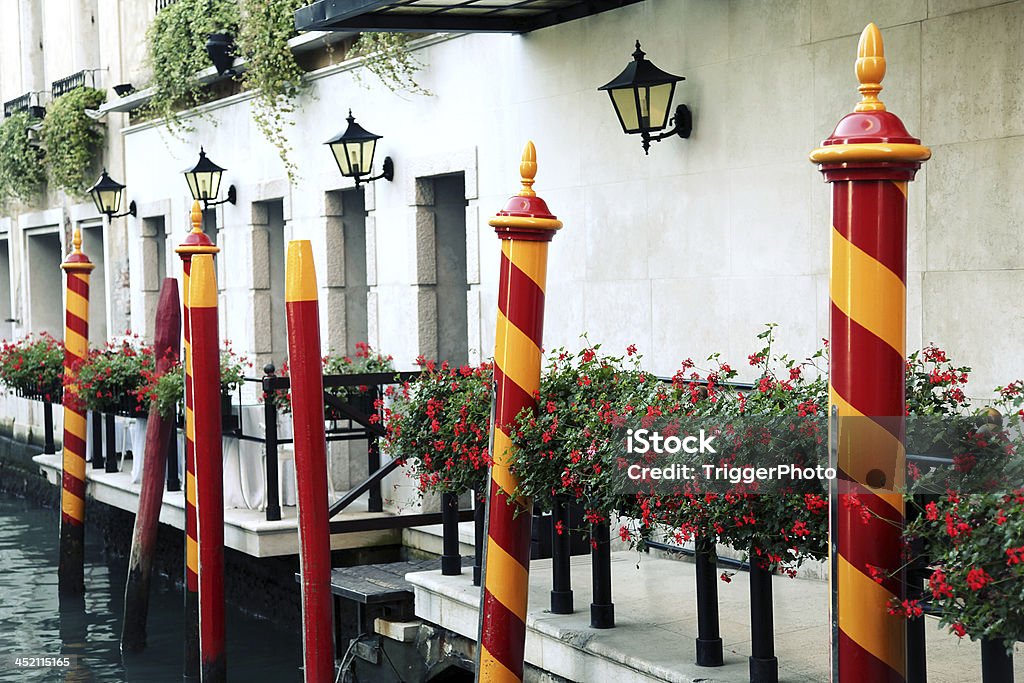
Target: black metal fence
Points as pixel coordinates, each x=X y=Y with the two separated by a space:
x=65 y=85
x=28 y=102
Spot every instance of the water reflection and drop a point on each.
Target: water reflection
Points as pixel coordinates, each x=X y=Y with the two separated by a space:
x=33 y=622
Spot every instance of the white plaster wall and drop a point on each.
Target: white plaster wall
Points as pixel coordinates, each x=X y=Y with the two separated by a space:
x=684 y=252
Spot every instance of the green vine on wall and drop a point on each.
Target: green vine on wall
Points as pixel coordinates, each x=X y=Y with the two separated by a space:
x=271 y=69
x=21 y=168
x=387 y=56
x=72 y=139
x=176 y=42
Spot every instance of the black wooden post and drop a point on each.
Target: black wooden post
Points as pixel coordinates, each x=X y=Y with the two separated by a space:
x=451 y=561
x=764 y=666
x=375 y=503
x=270 y=443
x=108 y=442
x=48 y=447
x=996 y=663
x=561 y=581
x=173 y=480
x=602 y=611
x=97 y=440
x=709 y=641
x=479 y=532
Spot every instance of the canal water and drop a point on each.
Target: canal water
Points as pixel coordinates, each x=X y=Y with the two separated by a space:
x=32 y=623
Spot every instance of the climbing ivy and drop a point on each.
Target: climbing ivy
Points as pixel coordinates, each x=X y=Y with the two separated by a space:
x=21 y=168
x=72 y=139
x=271 y=69
x=387 y=56
x=176 y=46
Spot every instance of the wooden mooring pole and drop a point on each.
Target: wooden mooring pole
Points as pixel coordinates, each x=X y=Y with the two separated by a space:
x=197 y=242
x=71 y=565
x=524 y=226
x=159 y=431
x=302 y=309
x=209 y=464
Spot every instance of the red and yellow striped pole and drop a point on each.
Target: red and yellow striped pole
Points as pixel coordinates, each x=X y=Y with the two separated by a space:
x=869 y=160
x=524 y=226
x=71 y=566
x=204 y=362
x=197 y=242
x=303 y=313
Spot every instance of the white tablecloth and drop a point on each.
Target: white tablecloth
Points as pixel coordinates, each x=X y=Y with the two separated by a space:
x=245 y=481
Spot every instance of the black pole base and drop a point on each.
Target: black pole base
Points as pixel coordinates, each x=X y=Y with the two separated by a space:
x=996 y=665
x=709 y=652
x=71 y=564
x=477 y=575
x=764 y=670
x=602 y=616
x=561 y=602
x=191 y=635
x=136 y=611
x=451 y=565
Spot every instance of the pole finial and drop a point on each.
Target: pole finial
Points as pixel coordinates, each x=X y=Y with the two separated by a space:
x=528 y=169
x=870 y=68
x=197 y=217
x=76 y=241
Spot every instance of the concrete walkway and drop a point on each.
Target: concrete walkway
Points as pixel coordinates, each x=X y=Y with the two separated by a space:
x=656 y=626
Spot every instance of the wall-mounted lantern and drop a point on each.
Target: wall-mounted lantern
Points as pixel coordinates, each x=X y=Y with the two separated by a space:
x=642 y=97
x=353 y=151
x=204 y=182
x=106 y=195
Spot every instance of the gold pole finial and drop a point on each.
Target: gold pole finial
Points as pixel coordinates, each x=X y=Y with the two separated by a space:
x=76 y=241
x=528 y=169
x=870 y=68
x=197 y=217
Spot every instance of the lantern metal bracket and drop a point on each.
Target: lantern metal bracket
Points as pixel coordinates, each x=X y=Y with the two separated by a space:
x=683 y=126
x=132 y=211
x=230 y=199
x=388 y=173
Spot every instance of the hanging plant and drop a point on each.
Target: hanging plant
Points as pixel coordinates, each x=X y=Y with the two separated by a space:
x=387 y=56
x=176 y=49
x=21 y=169
x=72 y=139
x=271 y=69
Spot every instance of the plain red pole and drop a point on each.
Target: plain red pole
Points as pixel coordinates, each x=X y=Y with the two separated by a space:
x=205 y=361
x=158 y=440
x=303 y=314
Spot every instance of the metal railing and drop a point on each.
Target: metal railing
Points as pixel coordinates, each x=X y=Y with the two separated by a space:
x=161 y=4
x=78 y=79
x=28 y=102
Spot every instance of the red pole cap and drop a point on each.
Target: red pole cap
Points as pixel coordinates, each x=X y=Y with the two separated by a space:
x=526 y=216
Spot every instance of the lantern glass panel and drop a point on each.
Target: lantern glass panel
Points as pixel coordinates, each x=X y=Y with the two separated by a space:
x=654 y=105
x=625 y=103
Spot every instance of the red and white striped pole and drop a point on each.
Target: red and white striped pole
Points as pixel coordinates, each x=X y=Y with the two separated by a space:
x=303 y=314
x=197 y=242
x=869 y=160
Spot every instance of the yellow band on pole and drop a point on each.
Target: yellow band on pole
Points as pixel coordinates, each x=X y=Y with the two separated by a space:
x=300 y=273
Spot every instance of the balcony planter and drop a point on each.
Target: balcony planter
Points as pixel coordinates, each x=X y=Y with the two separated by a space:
x=228 y=418
x=221 y=47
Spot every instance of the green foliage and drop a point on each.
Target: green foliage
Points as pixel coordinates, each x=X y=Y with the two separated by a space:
x=109 y=380
x=72 y=139
x=33 y=366
x=975 y=546
x=21 y=168
x=440 y=424
x=270 y=68
x=570 y=446
x=166 y=390
x=232 y=367
x=176 y=42
x=387 y=56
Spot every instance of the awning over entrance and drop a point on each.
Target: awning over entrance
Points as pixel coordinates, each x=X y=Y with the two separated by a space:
x=498 y=16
